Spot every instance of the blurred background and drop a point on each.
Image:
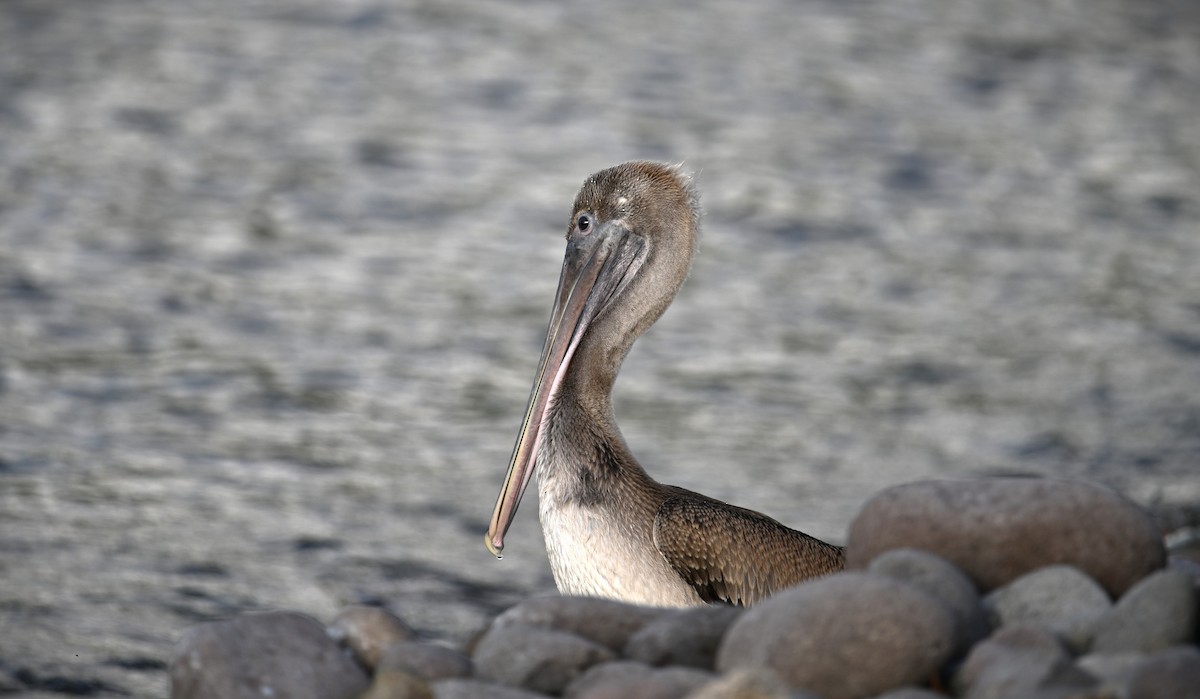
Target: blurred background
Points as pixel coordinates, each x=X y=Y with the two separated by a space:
x=274 y=277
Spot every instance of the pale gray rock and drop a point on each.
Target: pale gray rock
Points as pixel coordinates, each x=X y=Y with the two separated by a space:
x=281 y=654
x=425 y=660
x=682 y=637
x=367 y=631
x=1058 y=597
x=816 y=636
x=988 y=528
x=607 y=622
x=1173 y=673
x=944 y=582
x=1018 y=661
x=479 y=689
x=625 y=679
x=540 y=659
x=1158 y=612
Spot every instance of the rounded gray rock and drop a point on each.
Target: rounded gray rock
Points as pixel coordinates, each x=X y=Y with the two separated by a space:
x=397 y=684
x=687 y=637
x=368 y=630
x=1173 y=673
x=911 y=693
x=815 y=636
x=1018 y=661
x=938 y=578
x=478 y=689
x=251 y=656
x=1113 y=670
x=425 y=660
x=1058 y=597
x=1158 y=612
x=752 y=683
x=540 y=659
x=607 y=622
x=998 y=529
x=626 y=679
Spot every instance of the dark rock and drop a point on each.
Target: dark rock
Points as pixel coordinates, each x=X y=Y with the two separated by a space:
x=985 y=527
x=540 y=659
x=477 y=689
x=1158 y=612
x=1060 y=598
x=1173 y=673
x=368 y=630
x=279 y=654
x=816 y=636
x=625 y=679
x=607 y=622
x=682 y=637
x=425 y=660
x=939 y=579
x=1018 y=661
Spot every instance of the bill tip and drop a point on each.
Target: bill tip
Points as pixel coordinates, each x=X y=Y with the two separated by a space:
x=495 y=547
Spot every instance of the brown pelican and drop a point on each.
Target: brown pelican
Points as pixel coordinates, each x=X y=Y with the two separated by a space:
x=611 y=530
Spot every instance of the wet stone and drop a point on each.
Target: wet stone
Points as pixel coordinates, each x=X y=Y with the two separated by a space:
x=626 y=679
x=280 y=654
x=478 y=689
x=1158 y=612
x=1173 y=673
x=687 y=637
x=368 y=630
x=607 y=622
x=1059 y=597
x=1074 y=523
x=540 y=659
x=816 y=635
x=1018 y=661
x=425 y=660
x=939 y=579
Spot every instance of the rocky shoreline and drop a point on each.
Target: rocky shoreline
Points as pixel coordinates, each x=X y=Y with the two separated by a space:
x=274 y=278
x=982 y=589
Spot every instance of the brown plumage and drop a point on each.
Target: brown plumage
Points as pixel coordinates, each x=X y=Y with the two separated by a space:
x=610 y=529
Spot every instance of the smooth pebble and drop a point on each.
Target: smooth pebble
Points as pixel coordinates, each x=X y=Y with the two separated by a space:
x=256 y=655
x=941 y=580
x=1173 y=673
x=368 y=630
x=425 y=660
x=544 y=660
x=999 y=529
x=687 y=637
x=1017 y=661
x=1159 y=611
x=607 y=622
x=815 y=636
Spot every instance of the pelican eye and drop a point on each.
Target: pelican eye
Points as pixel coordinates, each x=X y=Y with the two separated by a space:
x=583 y=223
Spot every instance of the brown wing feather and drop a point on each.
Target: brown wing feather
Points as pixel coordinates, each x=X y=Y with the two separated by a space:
x=734 y=555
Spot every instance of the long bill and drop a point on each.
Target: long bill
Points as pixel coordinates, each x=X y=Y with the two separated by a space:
x=596 y=268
